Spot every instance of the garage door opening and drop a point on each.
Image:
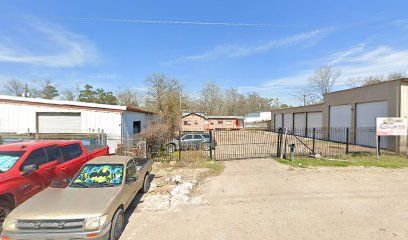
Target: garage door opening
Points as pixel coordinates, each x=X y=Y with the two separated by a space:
x=50 y=122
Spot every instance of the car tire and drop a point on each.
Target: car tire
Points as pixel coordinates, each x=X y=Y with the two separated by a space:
x=118 y=224
x=206 y=146
x=5 y=209
x=171 y=148
x=146 y=184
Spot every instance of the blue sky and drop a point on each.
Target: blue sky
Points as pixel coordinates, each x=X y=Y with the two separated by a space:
x=274 y=49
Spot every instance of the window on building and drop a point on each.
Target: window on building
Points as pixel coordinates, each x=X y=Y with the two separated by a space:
x=185 y=123
x=228 y=122
x=220 y=122
x=196 y=122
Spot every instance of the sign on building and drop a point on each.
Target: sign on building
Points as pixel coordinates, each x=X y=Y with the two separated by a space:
x=392 y=126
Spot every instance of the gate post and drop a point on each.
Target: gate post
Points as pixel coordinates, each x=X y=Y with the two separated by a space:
x=347 y=140
x=179 y=145
x=279 y=143
x=314 y=141
x=211 y=144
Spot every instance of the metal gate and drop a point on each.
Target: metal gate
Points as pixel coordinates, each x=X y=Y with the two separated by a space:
x=245 y=144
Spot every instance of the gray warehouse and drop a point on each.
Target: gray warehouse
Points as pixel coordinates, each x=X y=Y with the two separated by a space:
x=355 y=108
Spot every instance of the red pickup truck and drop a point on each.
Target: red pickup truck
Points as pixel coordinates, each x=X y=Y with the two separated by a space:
x=26 y=168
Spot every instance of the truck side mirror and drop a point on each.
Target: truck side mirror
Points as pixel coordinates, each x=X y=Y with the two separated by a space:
x=29 y=169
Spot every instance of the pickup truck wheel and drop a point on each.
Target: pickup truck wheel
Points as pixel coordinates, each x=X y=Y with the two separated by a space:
x=146 y=184
x=5 y=209
x=118 y=223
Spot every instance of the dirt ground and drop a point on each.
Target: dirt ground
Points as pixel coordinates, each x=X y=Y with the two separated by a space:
x=262 y=199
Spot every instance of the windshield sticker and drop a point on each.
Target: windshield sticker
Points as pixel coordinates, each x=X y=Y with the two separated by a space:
x=99 y=174
x=7 y=162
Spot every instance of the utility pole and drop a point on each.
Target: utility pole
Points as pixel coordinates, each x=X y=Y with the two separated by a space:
x=26 y=93
x=304 y=99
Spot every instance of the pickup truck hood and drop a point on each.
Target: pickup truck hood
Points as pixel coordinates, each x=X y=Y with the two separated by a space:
x=66 y=203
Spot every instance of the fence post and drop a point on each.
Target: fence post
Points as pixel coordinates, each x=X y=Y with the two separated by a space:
x=347 y=140
x=279 y=143
x=314 y=141
x=379 y=146
x=211 y=144
x=179 y=145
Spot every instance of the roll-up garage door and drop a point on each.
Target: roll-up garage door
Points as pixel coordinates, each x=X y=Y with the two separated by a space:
x=288 y=121
x=300 y=124
x=340 y=119
x=315 y=121
x=366 y=114
x=278 y=121
x=59 y=122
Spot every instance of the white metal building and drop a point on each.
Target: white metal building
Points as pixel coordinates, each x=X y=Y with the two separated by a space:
x=32 y=115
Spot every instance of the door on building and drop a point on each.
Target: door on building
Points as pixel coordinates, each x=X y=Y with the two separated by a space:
x=340 y=119
x=56 y=122
x=300 y=124
x=137 y=127
x=278 y=122
x=314 y=121
x=366 y=114
x=288 y=121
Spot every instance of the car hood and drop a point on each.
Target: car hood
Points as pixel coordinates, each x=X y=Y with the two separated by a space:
x=66 y=203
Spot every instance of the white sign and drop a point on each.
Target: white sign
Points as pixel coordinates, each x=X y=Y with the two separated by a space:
x=392 y=126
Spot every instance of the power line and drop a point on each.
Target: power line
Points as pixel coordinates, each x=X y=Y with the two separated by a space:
x=182 y=22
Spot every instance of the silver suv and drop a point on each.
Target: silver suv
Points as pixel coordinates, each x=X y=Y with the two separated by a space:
x=191 y=141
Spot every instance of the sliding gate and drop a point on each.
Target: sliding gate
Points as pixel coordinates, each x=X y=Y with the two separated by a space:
x=245 y=144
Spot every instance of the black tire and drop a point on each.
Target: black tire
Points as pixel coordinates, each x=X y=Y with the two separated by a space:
x=118 y=224
x=146 y=184
x=5 y=209
x=171 y=148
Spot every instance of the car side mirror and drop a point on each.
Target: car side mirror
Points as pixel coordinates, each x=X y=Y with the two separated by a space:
x=29 y=169
x=131 y=180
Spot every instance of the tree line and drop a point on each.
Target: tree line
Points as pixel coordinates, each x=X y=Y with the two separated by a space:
x=164 y=94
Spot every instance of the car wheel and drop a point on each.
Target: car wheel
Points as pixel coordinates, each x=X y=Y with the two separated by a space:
x=146 y=184
x=206 y=146
x=171 y=148
x=118 y=224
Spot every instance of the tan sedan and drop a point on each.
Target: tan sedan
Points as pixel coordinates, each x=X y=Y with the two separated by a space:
x=91 y=207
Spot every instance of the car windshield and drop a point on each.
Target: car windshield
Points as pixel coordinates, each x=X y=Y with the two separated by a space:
x=8 y=159
x=98 y=175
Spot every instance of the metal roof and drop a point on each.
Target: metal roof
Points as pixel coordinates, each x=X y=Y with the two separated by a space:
x=72 y=104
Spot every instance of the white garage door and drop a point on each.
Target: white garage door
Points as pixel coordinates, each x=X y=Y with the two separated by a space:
x=300 y=124
x=278 y=121
x=340 y=119
x=314 y=120
x=366 y=114
x=288 y=121
x=59 y=122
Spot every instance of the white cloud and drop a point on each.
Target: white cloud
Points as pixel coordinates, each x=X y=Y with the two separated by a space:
x=235 y=50
x=356 y=61
x=64 y=48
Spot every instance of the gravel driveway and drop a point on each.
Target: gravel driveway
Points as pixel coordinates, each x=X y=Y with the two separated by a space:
x=261 y=199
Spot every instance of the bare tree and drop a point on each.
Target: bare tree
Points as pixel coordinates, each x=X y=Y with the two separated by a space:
x=373 y=79
x=323 y=81
x=14 y=87
x=129 y=97
x=211 y=99
x=164 y=97
x=71 y=94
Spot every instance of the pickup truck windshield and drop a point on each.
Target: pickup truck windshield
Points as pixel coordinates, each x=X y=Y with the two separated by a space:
x=8 y=159
x=98 y=175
